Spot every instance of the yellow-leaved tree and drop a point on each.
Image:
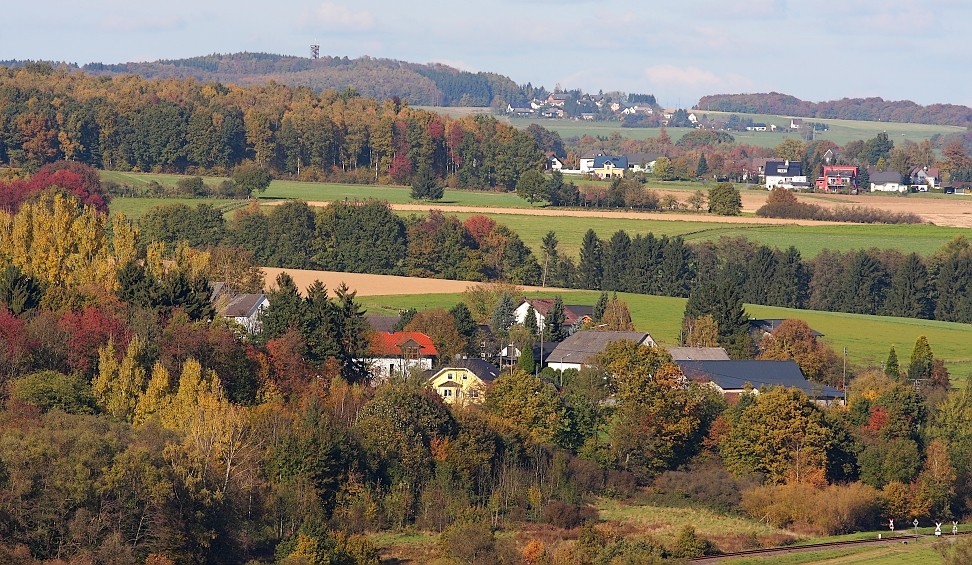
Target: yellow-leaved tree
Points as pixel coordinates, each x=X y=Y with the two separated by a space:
x=57 y=240
x=119 y=386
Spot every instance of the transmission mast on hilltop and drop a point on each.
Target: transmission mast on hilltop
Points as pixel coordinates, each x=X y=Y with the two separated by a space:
x=315 y=51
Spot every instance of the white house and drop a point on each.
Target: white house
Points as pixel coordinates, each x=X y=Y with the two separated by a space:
x=244 y=309
x=396 y=354
x=586 y=162
x=887 y=181
x=785 y=174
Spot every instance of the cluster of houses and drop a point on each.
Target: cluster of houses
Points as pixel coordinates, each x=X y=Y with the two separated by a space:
x=843 y=179
x=397 y=354
x=597 y=106
x=464 y=380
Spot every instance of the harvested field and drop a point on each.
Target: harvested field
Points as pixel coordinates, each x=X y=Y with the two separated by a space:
x=372 y=285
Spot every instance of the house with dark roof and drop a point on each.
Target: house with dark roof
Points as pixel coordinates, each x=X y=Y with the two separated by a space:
x=243 y=308
x=887 y=181
x=382 y=323
x=609 y=166
x=785 y=174
x=464 y=380
x=578 y=349
x=642 y=162
x=735 y=377
x=396 y=354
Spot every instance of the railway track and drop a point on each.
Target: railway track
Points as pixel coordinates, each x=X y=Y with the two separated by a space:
x=771 y=551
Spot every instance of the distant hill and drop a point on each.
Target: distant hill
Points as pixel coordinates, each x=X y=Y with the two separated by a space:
x=868 y=109
x=421 y=85
x=431 y=85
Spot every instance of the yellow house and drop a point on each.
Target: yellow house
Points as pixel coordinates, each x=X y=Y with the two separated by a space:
x=464 y=381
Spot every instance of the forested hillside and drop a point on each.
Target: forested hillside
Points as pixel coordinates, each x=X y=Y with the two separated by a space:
x=869 y=109
x=422 y=85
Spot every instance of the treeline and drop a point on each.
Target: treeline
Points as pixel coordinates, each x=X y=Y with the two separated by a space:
x=360 y=237
x=873 y=109
x=131 y=123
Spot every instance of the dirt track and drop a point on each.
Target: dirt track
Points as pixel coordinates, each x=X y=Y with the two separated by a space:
x=955 y=211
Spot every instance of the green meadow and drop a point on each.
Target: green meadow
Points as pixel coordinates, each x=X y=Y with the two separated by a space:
x=867 y=338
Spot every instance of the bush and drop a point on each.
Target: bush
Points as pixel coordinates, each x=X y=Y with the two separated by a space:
x=620 y=484
x=49 y=389
x=469 y=542
x=707 y=484
x=782 y=203
x=689 y=544
x=567 y=516
x=831 y=510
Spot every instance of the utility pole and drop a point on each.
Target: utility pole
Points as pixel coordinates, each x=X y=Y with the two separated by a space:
x=844 y=380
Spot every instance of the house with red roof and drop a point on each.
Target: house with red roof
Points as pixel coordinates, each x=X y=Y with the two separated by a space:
x=396 y=354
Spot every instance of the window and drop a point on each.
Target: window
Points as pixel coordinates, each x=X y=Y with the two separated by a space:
x=464 y=377
x=447 y=392
x=449 y=376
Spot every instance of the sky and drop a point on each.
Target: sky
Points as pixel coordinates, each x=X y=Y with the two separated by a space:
x=679 y=51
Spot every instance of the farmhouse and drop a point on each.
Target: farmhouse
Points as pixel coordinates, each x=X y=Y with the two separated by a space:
x=577 y=350
x=736 y=377
x=785 y=174
x=463 y=381
x=396 y=354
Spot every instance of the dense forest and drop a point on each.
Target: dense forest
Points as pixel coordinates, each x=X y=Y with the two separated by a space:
x=137 y=426
x=869 y=109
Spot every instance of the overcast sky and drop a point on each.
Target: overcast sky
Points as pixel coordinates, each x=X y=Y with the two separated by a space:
x=813 y=49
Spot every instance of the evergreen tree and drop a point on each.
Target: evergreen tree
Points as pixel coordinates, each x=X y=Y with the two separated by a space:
x=600 y=306
x=909 y=294
x=465 y=324
x=553 y=325
x=530 y=320
x=549 y=253
x=891 y=365
x=504 y=316
x=702 y=167
x=920 y=366
x=791 y=281
x=425 y=186
x=19 y=292
x=721 y=299
x=865 y=284
x=617 y=263
x=590 y=269
x=526 y=362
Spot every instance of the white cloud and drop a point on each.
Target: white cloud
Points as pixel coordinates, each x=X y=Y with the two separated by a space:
x=332 y=16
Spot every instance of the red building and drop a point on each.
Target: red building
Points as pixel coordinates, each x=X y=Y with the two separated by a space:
x=837 y=178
